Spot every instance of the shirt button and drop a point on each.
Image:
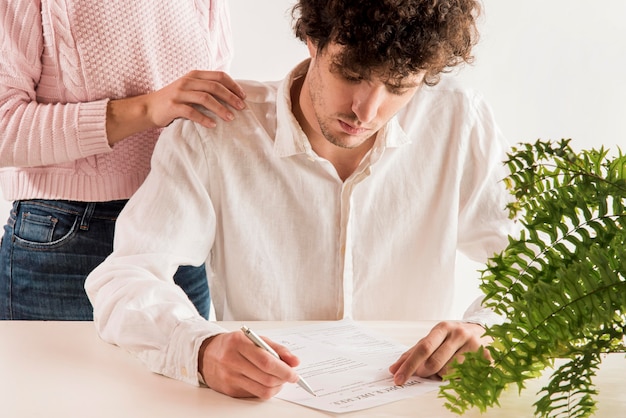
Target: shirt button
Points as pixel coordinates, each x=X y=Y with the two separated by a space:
x=183 y=371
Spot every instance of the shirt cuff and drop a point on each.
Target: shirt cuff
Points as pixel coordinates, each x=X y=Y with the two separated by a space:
x=478 y=314
x=183 y=348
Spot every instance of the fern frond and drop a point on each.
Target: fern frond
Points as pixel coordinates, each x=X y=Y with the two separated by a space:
x=561 y=284
x=571 y=391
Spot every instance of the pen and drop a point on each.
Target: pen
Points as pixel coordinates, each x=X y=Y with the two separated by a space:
x=262 y=344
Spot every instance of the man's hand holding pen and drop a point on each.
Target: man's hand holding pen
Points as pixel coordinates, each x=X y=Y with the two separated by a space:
x=232 y=364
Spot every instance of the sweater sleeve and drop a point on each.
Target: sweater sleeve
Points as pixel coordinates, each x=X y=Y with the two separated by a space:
x=33 y=133
x=219 y=24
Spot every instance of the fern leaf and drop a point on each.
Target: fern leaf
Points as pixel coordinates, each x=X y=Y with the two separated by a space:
x=561 y=284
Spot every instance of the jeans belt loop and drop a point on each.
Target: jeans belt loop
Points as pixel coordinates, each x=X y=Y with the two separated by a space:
x=87 y=214
x=16 y=206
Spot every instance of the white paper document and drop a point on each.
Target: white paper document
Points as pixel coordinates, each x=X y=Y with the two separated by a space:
x=346 y=365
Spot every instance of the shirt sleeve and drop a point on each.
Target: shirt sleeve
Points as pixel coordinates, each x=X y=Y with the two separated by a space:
x=32 y=133
x=136 y=303
x=484 y=223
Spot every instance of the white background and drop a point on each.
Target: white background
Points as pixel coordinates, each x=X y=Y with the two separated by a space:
x=550 y=70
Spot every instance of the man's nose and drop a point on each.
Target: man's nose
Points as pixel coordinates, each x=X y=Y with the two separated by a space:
x=367 y=101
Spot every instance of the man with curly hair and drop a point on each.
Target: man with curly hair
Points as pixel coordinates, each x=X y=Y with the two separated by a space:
x=344 y=191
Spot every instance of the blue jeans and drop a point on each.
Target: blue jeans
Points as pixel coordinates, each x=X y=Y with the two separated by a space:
x=48 y=249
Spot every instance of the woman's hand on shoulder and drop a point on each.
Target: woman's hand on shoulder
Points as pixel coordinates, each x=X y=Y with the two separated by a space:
x=213 y=90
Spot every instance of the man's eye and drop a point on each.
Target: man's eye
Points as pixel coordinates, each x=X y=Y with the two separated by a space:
x=352 y=78
x=398 y=91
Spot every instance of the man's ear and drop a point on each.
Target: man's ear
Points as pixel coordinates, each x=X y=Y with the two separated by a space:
x=312 y=46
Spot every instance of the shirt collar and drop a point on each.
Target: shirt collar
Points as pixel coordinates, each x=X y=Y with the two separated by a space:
x=291 y=139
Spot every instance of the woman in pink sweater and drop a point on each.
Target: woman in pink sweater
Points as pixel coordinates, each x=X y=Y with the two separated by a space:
x=85 y=87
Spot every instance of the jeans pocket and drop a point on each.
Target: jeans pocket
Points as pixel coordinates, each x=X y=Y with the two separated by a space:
x=37 y=228
x=41 y=227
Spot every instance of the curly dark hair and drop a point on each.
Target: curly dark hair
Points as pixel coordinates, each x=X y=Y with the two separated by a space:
x=394 y=37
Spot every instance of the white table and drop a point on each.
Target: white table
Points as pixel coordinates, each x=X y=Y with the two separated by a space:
x=62 y=369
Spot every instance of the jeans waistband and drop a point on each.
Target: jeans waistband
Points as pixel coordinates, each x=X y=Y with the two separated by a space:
x=87 y=210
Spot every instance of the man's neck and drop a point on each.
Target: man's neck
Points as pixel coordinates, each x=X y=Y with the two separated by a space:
x=345 y=160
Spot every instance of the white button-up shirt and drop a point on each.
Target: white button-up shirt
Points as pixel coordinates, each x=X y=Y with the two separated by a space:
x=286 y=239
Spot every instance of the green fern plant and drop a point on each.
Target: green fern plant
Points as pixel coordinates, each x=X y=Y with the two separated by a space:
x=561 y=285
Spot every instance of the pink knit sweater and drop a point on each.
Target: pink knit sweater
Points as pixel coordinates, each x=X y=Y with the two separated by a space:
x=60 y=63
